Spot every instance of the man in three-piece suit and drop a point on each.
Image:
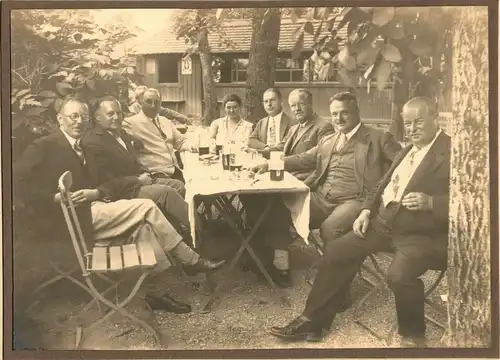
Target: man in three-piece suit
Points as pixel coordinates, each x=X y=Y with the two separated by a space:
x=407 y=212
x=270 y=131
x=109 y=151
x=102 y=217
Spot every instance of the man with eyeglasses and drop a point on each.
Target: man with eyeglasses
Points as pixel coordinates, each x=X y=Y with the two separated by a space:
x=406 y=213
x=102 y=216
x=159 y=137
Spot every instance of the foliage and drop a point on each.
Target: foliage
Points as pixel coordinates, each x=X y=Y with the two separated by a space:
x=60 y=52
x=382 y=44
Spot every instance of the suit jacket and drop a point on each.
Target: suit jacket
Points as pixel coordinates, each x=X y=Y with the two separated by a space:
x=258 y=138
x=315 y=130
x=374 y=152
x=432 y=177
x=36 y=176
x=115 y=167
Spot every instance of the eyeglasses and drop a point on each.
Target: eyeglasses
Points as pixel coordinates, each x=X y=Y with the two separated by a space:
x=75 y=117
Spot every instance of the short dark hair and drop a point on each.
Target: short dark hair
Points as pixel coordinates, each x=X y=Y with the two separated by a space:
x=274 y=90
x=231 y=97
x=347 y=98
x=98 y=102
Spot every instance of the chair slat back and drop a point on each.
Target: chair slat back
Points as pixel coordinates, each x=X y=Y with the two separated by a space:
x=71 y=218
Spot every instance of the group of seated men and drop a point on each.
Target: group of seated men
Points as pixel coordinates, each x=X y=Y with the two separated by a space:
x=367 y=193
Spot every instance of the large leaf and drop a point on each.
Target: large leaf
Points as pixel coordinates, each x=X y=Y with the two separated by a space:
x=346 y=59
x=309 y=28
x=64 y=88
x=391 y=53
x=382 y=74
x=297 y=48
x=382 y=15
x=367 y=56
x=420 y=48
x=348 y=78
x=34 y=111
x=395 y=31
x=47 y=94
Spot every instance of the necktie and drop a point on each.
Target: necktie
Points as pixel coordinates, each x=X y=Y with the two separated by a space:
x=395 y=186
x=341 y=141
x=272 y=132
x=79 y=151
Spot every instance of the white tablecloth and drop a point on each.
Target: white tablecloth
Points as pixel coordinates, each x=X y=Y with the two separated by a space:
x=212 y=180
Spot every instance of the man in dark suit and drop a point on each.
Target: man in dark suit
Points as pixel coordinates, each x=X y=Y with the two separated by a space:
x=36 y=177
x=407 y=212
x=109 y=151
x=270 y=131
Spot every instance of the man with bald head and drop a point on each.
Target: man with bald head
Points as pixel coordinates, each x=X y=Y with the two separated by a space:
x=135 y=108
x=308 y=131
x=406 y=213
x=159 y=136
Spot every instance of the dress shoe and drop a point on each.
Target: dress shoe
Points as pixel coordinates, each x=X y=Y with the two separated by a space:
x=298 y=329
x=418 y=341
x=203 y=265
x=166 y=303
x=281 y=278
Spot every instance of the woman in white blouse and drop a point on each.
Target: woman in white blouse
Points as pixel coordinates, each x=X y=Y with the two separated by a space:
x=231 y=129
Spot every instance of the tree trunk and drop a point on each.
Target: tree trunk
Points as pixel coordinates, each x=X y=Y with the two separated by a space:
x=209 y=93
x=262 y=60
x=469 y=300
x=399 y=98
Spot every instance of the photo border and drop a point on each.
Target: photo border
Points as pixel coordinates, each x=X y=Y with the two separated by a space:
x=8 y=353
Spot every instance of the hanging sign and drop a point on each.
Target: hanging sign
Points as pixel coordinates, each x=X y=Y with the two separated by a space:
x=187 y=65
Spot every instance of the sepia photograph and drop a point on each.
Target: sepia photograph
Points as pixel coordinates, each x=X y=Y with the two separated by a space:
x=283 y=179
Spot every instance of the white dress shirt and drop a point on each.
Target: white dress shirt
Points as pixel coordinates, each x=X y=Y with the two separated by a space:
x=119 y=139
x=277 y=124
x=72 y=141
x=404 y=172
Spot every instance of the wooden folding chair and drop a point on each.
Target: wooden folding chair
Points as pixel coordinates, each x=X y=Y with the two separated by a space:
x=106 y=258
x=379 y=284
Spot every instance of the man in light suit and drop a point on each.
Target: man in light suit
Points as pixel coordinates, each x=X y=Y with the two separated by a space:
x=271 y=130
x=407 y=212
x=36 y=177
x=159 y=137
x=342 y=168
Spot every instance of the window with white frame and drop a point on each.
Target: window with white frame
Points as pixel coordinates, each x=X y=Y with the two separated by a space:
x=291 y=70
x=239 y=69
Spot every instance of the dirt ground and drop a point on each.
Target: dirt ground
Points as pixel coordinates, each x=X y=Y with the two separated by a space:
x=240 y=318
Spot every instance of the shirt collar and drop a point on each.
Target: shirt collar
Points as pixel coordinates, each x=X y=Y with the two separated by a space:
x=277 y=116
x=427 y=147
x=351 y=133
x=70 y=139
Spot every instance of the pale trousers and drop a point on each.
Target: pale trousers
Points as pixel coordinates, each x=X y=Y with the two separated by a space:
x=120 y=217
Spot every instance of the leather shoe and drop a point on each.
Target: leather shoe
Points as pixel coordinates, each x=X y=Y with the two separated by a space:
x=203 y=265
x=281 y=278
x=298 y=329
x=167 y=303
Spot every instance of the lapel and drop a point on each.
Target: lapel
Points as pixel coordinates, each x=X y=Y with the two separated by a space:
x=430 y=162
x=306 y=130
x=112 y=143
x=288 y=144
x=284 y=123
x=64 y=143
x=264 y=129
x=361 y=147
